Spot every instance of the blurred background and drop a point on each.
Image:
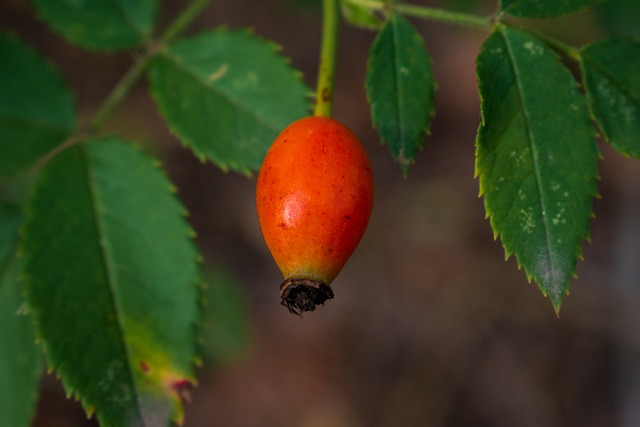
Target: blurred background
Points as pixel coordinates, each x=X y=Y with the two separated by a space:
x=430 y=326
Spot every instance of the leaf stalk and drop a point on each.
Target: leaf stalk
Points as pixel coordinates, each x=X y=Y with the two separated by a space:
x=429 y=13
x=122 y=89
x=183 y=20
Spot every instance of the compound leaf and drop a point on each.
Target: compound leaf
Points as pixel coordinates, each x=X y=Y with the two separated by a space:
x=20 y=359
x=104 y=25
x=400 y=87
x=113 y=283
x=217 y=91
x=36 y=108
x=543 y=8
x=536 y=157
x=611 y=75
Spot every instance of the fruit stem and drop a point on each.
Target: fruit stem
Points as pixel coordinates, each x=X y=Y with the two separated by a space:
x=326 y=68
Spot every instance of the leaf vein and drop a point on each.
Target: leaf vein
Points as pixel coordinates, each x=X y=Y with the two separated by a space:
x=108 y=264
x=534 y=157
x=398 y=90
x=232 y=101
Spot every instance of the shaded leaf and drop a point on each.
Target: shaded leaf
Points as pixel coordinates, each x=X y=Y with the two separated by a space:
x=620 y=17
x=543 y=8
x=611 y=75
x=100 y=24
x=20 y=360
x=226 y=330
x=536 y=157
x=400 y=87
x=360 y=16
x=227 y=95
x=36 y=108
x=10 y=220
x=112 y=282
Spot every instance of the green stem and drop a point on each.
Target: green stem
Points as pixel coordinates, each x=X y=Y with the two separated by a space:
x=125 y=84
x=442 y=15
x=120 y=91
x=429 y=13
x=184 y=19
x=326 y=69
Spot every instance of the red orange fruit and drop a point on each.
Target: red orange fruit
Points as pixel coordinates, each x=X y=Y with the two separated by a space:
x=314 y=196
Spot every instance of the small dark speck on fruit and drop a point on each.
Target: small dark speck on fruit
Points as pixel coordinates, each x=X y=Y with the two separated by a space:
x=347 y=217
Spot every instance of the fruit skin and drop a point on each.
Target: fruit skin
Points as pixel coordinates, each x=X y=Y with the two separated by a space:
x=314 y=197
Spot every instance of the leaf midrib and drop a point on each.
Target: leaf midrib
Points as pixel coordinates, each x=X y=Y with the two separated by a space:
x=397 y=87
x=533 y=150
x=125 y=16
x=108 y=264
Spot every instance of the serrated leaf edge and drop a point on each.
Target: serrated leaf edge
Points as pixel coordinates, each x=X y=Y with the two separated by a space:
x=53 y=367
x=188 y=142
x=590 y=101
x=403 y=161
x=586 y=237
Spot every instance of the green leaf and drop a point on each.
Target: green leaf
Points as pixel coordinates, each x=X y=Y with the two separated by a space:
x=400 y=87
x=36 y=108
x=227 y=95
x=536 y=157
x=620 y=17
x=543 y=8
x=112 y=282
x=226 y=331
x=360 y=16
x=611 y=75
x=10 y=220
x=104 y=25
x=20 y=360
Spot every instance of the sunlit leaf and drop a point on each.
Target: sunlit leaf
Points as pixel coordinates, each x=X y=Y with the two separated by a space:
x=112 y=282
x=227 y=95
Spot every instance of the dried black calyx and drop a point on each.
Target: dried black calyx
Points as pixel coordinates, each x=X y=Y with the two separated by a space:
x=301 y=294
